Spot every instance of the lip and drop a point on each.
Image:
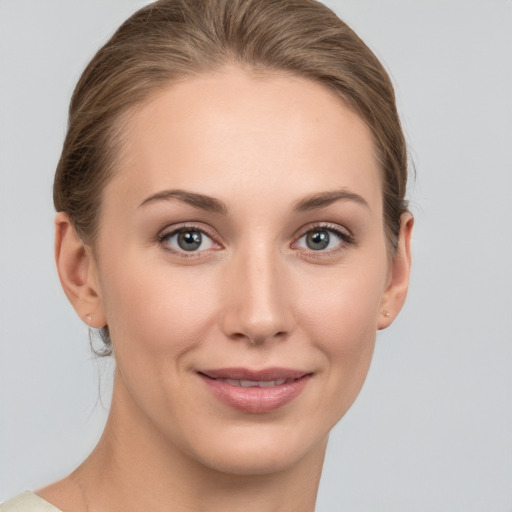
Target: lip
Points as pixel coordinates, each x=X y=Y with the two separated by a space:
x=255 y=399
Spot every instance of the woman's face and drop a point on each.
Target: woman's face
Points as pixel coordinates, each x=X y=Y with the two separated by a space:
x=242 y=268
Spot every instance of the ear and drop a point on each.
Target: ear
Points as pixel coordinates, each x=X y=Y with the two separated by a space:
x=399 y=272
x=78 y=273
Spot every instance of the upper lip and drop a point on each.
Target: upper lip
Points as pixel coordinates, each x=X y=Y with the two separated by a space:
x=265 y=374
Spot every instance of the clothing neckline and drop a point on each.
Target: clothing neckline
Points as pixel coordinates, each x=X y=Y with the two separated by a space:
x=43 y=501
x=28 y=499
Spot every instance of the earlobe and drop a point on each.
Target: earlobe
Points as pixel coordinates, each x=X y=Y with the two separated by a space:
x=77 y=273
x=398 y=282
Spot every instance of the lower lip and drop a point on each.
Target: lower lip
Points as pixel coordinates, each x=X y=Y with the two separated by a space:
x=256 y=400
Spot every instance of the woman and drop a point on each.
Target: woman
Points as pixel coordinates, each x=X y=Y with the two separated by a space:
x=231 y=218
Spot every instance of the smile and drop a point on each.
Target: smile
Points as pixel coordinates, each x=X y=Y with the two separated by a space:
x=256 y=383
x=255 y=392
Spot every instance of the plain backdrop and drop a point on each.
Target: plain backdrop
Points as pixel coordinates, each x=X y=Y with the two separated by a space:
x=432 y=429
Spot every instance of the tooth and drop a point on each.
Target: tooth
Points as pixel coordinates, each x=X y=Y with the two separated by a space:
x=256 y=383
x=248 y=383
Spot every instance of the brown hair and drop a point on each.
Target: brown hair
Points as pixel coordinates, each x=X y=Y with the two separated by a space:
x=172 y=39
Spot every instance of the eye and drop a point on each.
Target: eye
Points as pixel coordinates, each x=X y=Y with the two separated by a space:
x=187 y=240
x=323 y=238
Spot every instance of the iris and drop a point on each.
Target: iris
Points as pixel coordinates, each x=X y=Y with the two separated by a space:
x=317 y=240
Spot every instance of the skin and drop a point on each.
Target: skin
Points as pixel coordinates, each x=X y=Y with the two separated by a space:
x=257 y=296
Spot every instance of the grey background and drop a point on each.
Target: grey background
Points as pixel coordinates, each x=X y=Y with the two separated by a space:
x=432 y=428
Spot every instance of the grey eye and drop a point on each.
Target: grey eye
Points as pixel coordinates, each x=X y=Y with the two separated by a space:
x=188 y=240
x=322 y=239
x=318 y=240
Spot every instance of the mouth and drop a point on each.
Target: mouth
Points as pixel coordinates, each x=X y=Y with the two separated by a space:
x=255 y=391
x=256 y=383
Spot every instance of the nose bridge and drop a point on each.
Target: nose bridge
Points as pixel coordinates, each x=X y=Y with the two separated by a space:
x=257 y=303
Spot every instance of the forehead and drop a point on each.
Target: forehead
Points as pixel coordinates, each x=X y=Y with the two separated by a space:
x=233 y=133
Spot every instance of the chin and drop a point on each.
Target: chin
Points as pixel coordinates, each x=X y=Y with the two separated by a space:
x=260 y=450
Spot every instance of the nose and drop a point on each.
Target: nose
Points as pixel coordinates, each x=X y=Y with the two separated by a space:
x=256 y=305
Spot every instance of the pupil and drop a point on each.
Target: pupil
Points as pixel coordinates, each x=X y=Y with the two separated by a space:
x=189 y=240
x=317 y=240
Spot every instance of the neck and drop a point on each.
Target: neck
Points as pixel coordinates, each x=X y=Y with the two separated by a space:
x=135 y=468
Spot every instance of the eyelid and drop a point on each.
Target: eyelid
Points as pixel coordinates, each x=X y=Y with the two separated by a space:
x=174 y=229
x=344 y=234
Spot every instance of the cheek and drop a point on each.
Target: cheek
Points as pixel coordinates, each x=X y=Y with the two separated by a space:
x=342 y=312
x=154 y=311
x=340 y=318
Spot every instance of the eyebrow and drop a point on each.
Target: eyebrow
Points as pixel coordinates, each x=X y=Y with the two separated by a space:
x=324 y=199
x=207 y=203
x=210 y=204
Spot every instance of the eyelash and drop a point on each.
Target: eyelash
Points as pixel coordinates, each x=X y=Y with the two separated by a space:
x=167 y=234
x=345 y=237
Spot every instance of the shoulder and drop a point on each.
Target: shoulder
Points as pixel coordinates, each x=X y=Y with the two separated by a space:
x=27 y=502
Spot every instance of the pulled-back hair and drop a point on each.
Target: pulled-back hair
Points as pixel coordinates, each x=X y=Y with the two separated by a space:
x=170 y=40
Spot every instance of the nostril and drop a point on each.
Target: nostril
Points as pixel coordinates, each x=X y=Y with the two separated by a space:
x=258 y=340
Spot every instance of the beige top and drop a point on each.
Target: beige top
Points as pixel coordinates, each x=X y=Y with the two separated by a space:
x=27 y=502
